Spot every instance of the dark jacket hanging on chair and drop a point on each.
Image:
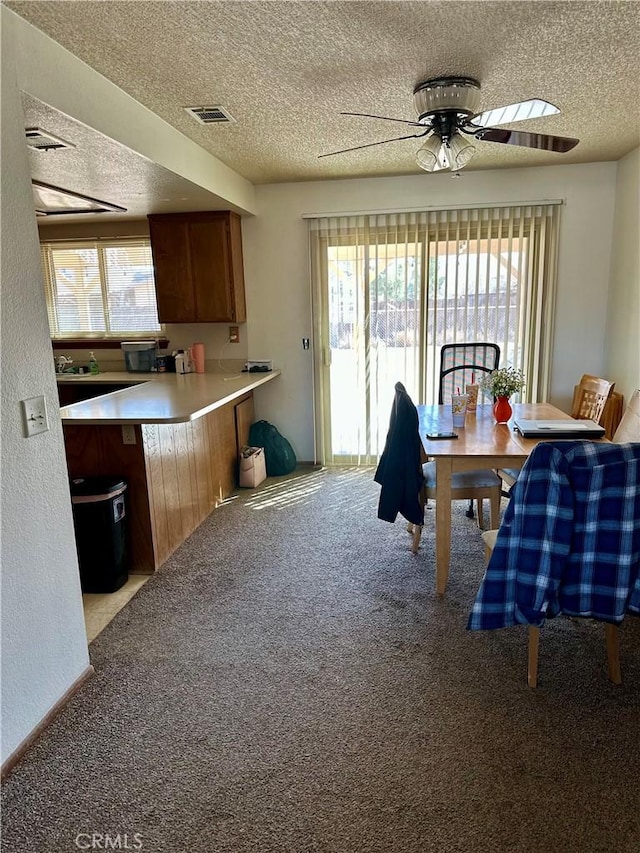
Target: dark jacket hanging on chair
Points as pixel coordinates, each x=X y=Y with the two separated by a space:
x=399 y=471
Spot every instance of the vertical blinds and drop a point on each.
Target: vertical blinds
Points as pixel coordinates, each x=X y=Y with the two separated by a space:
x=392 y=288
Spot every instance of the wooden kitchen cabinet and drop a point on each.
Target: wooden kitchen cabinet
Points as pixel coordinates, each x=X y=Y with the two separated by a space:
x=199 y=271
x=176 y=473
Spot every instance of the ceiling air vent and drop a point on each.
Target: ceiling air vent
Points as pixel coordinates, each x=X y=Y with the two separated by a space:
x=209 y=115
x=42 y=140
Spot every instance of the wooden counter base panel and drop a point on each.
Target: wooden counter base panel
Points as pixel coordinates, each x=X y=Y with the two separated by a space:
x=176 y=473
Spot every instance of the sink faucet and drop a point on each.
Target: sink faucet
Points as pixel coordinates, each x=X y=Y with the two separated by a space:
x=62 y=361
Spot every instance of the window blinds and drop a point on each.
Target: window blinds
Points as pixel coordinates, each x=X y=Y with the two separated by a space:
x=390 y=289
x=100 y=289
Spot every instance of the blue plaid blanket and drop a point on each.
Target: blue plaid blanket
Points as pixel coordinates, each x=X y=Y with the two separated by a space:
x=570 y=538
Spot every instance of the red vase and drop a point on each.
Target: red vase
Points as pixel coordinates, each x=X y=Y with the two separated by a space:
x=502 y=410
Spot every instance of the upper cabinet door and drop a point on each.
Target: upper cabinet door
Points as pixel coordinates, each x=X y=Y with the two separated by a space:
x=172 y=271
x=237 y=268
x=207 y=249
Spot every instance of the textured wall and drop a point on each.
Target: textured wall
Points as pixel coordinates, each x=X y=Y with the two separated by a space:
x=44 y=648
x=277 y=268
x=623 y=320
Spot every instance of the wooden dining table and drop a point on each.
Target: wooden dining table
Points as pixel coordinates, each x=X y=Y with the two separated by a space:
x=481 y=443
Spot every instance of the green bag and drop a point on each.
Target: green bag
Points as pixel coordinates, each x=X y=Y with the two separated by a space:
x=279 y=456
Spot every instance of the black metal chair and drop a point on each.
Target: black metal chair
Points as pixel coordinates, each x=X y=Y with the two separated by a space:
x=463 y=364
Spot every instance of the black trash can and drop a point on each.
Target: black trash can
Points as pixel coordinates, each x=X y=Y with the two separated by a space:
x=99 y=518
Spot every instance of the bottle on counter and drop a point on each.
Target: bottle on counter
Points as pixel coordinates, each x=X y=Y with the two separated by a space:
x=183 y=362
x=94 y=368
x=196 y=351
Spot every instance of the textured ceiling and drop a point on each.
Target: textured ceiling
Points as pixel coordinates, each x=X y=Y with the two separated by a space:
x=103 y=169
x=285 y=71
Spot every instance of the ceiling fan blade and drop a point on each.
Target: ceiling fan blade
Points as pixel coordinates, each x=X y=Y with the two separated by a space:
x=534 y=108
x=387 y=118
x=371 y=144
x=560 y=144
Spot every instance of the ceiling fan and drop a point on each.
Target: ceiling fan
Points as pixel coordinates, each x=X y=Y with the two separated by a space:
x=448 y=117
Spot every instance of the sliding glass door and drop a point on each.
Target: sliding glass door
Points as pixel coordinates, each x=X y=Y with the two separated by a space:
x=389 y=290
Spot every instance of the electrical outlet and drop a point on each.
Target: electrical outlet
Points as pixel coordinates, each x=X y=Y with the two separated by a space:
x=34 y=410
x=234 y=335
x=128 y=434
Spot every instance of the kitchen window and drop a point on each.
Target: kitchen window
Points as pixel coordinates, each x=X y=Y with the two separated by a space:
x=100 y=289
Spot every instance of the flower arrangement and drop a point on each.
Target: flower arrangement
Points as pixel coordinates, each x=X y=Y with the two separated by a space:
x=503 y=382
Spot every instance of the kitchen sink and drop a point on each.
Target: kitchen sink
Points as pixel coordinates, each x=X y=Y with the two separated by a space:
x=97 y=378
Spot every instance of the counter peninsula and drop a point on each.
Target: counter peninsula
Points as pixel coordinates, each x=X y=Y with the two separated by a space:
x=175 y=440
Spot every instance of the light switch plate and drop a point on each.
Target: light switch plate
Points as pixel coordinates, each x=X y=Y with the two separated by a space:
x=34 y=410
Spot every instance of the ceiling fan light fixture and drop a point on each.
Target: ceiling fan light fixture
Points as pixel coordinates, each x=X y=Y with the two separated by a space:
x=447 y=109
x=460 y=151
x=428 y=155
x=457 y=94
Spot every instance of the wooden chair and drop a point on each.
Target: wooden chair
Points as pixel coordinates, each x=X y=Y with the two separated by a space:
x=401 y=468
x=629 y=427
x=612 y=638
x=628 y=430
x=612 y=414
x=590 y=398
x=465 y=485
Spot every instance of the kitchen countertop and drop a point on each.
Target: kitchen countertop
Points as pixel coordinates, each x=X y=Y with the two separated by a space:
x=158 y=398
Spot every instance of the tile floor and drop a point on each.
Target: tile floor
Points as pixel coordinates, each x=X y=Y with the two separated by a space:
x=100 y=609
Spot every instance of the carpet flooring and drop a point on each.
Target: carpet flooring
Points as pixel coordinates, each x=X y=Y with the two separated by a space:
x=289 y=682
